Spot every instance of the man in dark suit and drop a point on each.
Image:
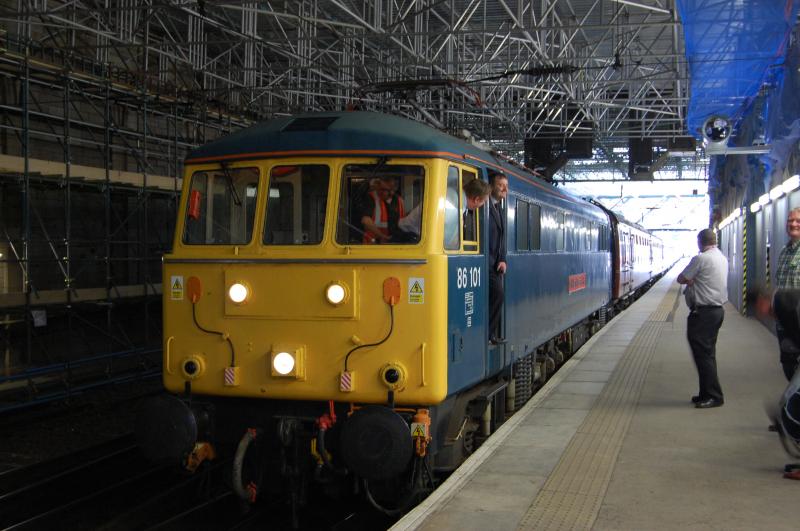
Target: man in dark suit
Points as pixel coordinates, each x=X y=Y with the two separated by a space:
x=475 y=193
x=497 y=254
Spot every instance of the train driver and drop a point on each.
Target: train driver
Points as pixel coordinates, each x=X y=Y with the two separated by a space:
x=381 y=210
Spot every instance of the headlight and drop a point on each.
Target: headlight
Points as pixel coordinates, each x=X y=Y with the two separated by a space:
x=283 y=363
x=335 y=293
x=288 y=361
x=238 y=293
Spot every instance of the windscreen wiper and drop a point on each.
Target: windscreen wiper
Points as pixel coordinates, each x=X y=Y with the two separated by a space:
x=229 y=180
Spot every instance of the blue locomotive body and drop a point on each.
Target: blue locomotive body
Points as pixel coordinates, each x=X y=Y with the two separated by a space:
x=559 y=274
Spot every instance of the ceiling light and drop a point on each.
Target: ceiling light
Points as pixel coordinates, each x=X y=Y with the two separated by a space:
x=776 y=192
x=755 y=207
x=791 y=183
x=763 y=200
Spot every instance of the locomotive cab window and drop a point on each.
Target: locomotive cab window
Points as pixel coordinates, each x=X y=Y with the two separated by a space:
x=461 y=223
x=381 y=204
x=220 y=209
x=296 y=205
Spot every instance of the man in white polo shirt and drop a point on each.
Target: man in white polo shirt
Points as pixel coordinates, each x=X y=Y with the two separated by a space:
x=706 y=278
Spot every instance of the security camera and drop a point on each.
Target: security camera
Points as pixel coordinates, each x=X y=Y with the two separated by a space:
x=717 y=130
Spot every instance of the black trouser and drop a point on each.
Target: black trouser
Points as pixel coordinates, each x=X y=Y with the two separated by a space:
x=789 y=356
x=495 y=303
x=702 y=330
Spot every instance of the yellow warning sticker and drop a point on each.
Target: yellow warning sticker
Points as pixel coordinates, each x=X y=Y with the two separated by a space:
x=416 y=291
x=418 y=430
x=176 y=287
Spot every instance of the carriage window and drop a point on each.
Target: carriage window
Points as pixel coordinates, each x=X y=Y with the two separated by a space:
x=220 y=209
x=535 y=226
x=381 y=204
x=561 y=227
x=605 y=237
x=521 y=223
x=587 y=235
x=602 y=238
x=296 y=204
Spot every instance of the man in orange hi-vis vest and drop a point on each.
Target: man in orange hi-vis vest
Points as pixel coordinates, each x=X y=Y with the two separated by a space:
x=382 y=208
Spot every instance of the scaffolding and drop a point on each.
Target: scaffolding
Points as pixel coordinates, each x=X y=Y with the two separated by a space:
x=89 y=181
x=503 y=69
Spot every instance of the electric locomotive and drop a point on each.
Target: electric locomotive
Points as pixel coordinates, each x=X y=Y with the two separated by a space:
x=310 y=350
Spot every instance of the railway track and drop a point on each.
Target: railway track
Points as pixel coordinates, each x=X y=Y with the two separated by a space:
x=111 y=487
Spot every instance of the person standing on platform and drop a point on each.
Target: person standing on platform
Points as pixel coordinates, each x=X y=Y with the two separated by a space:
x=497 y=254
x=706 y=280
x=785 y=300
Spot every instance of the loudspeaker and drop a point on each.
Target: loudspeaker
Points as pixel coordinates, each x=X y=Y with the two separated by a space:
x=640 y=155
x=540 y=152
x=682 y=144
x=579 y=148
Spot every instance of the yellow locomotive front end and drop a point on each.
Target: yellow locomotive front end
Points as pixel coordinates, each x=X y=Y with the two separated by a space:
x=278 y=291
x=305 y=312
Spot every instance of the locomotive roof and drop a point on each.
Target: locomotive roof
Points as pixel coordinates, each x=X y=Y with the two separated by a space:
x=352 y=133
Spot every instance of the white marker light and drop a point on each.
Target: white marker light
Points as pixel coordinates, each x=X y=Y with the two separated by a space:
x=335 y=293
x=283 y=363
x=238 y=293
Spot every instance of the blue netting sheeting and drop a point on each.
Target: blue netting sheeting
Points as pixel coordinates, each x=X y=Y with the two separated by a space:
x=782 y=124
x=727 y=172
x=731 y=47
x=730 y=172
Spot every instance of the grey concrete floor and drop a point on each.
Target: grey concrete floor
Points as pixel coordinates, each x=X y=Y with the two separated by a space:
x=686 y=468
x=677 y=468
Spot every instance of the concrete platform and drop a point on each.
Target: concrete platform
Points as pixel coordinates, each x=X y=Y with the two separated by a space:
x=613 y=441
